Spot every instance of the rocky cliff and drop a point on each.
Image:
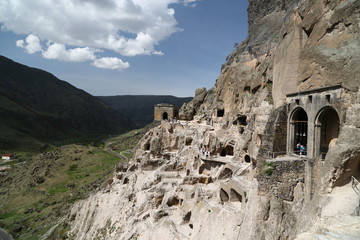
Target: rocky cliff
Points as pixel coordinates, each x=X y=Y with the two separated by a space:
x=228 y=170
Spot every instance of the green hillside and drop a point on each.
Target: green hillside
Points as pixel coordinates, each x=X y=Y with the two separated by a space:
x=37 y=109
x=38 y=190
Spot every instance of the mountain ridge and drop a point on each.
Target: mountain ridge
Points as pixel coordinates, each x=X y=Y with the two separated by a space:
x=37 y=106
x=140 y=108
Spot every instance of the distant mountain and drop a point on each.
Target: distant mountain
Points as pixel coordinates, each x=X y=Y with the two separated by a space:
x=140 y=108
x=37 y=108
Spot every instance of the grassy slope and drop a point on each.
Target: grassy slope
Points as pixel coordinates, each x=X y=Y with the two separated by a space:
x=39 y=191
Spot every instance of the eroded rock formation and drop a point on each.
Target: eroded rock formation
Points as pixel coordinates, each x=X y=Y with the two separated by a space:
x=227 y=171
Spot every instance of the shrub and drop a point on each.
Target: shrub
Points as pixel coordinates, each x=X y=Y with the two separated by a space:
x=73 y=167
x=268 y=168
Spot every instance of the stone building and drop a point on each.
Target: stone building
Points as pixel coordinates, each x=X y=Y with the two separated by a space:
x=164 y=111
x=314 y=120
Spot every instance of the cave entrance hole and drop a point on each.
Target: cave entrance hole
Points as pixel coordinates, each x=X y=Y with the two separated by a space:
x=223 y=152
x=247 y=158
x=227 y=173
x=229 y=150
x=224 y=196
x=188 y=141
x=220 y=112
x=235 y=196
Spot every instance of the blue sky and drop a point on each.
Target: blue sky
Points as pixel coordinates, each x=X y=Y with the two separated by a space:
x=169 y=47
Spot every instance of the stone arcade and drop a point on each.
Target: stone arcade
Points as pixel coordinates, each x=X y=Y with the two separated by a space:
x=314 y=120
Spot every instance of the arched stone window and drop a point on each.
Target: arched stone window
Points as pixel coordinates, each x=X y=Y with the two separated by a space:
x=165 y=116
x=298 y=131
x=326 y=130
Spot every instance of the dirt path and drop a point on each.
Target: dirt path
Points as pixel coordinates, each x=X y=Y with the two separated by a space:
x=119 y=155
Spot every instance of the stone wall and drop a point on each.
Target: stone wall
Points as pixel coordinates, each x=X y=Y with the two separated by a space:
x=281 y=195
x=280 y=177
x=164 y=112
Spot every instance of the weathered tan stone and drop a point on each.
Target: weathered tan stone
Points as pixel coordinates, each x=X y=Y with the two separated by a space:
x=286 y=65
x=164 y=111
x=221 y=175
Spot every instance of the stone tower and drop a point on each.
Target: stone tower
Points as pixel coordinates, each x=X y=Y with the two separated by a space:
x=164 y=111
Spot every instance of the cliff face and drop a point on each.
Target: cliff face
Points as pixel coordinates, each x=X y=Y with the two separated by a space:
x=230 y=172
x=318 y=48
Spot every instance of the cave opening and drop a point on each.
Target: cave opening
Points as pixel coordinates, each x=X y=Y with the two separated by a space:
x=220 y=112
x=188 y=141
x=247 y=158
x=235 y=196
x=229 y=150
x=227 y=173
x=223 y=152
x=224 y=196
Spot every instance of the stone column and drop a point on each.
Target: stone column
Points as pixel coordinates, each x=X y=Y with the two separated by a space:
x=290 y=137
x=309 y=164
x=310 y=139
x=317 y=138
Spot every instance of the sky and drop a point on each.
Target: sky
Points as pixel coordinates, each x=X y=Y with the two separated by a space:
x=124 y=47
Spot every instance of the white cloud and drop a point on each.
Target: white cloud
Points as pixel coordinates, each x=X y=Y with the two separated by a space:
x=111 y=63
x=31 y=44
x=127 y=27
x=59 y=51
x=190 y=3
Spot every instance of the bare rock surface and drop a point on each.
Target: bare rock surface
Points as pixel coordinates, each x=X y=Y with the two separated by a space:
x=174 y=193
x=223 y=173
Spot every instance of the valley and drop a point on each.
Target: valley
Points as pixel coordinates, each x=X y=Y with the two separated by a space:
x=39 y=189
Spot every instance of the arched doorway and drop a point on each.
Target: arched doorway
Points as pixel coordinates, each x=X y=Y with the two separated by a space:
x=165 y=116
x=327 y=130
x=298 y=131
